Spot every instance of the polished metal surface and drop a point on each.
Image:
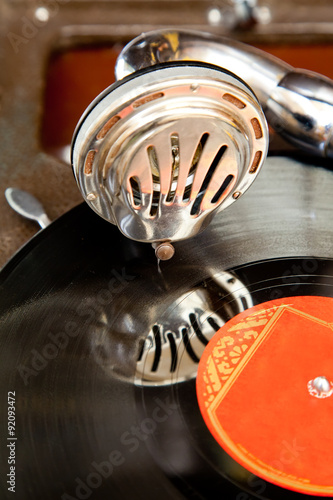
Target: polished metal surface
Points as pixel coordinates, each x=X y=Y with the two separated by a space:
x=164 y=250
x=77 y=304
x=298 y=104
x=162 y=152
x=27 y=205
x=320 y=387
x=32 y=33
x=173 y=348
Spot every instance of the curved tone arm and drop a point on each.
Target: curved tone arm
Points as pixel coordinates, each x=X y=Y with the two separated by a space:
x=298 y=104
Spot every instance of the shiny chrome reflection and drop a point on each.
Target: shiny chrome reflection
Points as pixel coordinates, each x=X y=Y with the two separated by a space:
x=297 y=103
x=320 y=387
x=176 y=334
x=162 y=151
x=173 y=347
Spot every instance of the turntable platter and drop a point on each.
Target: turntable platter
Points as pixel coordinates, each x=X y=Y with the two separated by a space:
x=94 y=336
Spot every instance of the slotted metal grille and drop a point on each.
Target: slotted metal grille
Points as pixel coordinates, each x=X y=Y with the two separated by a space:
x=184 y=144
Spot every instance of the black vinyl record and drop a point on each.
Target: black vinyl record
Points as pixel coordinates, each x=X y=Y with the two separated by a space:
x=100 y=345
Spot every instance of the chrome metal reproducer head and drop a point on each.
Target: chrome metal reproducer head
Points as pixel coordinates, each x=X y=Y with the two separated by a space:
x=163 y=150
x=178 y=139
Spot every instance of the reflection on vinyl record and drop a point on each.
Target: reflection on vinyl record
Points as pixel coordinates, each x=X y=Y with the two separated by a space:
x=100 y=352
x=237 y=425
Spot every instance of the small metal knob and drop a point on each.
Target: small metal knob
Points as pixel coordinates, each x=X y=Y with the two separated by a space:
x=164 y=251
x=320 y=387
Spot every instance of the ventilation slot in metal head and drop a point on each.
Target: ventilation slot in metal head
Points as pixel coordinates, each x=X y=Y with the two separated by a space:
x=194 y=165
x=136 y=192
x=175 y=154
x=153 y=161
x=196 y=205
x=175 y=166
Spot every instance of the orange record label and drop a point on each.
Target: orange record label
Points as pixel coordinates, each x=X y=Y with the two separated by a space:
x=264 y=388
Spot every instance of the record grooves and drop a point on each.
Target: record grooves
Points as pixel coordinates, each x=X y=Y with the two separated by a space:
x=101 y=349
